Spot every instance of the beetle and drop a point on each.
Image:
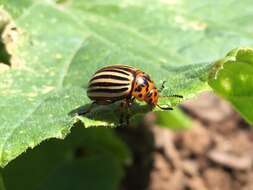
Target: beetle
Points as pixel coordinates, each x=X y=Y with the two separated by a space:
x=123 y=83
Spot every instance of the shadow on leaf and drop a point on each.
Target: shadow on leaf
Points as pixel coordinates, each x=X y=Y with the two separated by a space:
x=109 y=115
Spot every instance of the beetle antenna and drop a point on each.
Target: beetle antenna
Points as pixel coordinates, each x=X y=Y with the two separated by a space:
x=173 y=96
x=164 y=108
x=162 y=86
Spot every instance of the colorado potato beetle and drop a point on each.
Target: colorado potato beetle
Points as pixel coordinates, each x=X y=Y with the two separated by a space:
x=123 y=83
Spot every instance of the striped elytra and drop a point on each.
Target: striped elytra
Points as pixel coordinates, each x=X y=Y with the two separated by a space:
x=121 y=82
x=111 y=83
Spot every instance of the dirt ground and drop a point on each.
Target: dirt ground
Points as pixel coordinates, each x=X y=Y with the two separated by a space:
x=215 y=154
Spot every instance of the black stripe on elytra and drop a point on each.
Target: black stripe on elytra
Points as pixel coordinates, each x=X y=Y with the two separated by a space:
x=107 y=90
x=109 y=84
x=113 y=70
x=111 y=98
x=110 y=77
x=125 y=68
x=129 y=69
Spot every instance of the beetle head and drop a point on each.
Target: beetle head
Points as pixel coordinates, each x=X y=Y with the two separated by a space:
x=144 y=89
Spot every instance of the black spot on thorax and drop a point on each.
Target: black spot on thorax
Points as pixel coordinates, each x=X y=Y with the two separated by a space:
x=138 y=89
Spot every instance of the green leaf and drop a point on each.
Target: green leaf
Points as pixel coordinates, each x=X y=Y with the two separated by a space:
x=60 y=45
x=85 y=173
x=175 y=119
x=16 y=8
x=2 y=187
x=34 y=103
x=233 y=80
x=81 y=161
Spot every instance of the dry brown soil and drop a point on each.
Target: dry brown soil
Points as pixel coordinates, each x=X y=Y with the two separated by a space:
x=215 y=154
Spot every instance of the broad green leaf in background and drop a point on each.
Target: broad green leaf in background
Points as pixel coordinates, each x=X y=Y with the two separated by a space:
x=81 y=161
x=2 y=187
x=234 y=80
x=88 y=173
x=60 y=45
x=175 y=119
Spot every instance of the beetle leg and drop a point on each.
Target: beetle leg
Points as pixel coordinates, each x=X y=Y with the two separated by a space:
x=124 y=108
x=164 y=108
x=128 y=104
x=122 y=114
x=121 y=118
x=162 y=87
x=173 y=95
x=131 y=101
